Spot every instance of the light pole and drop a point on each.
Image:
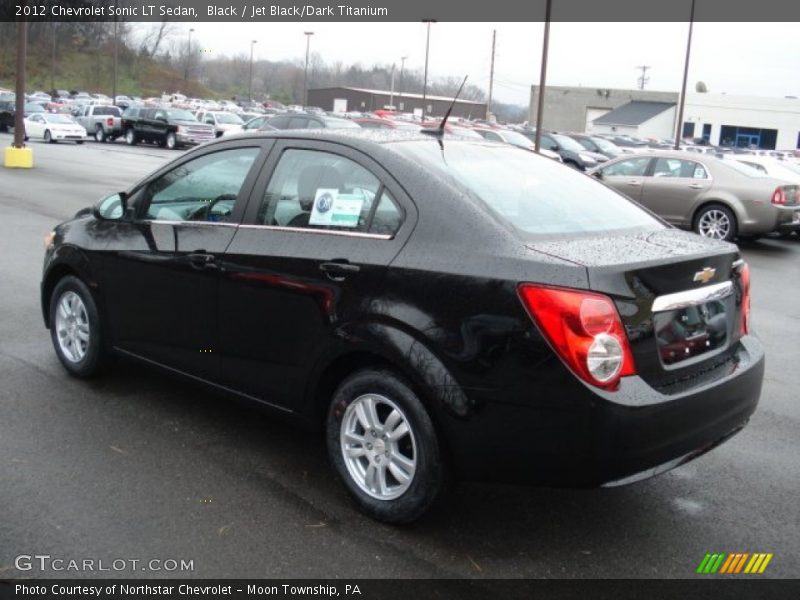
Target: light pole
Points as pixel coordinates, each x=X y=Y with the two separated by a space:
x=53 y=61
x=308 y=35
x=250 y=85
x=679 y=125
x=425 y=78
x=542 y=78
x=116 y=60
x=188 y=57
x=400 y=87
x=391 y=93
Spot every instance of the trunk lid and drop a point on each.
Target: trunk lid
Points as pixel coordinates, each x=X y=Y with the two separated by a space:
x=693 y=327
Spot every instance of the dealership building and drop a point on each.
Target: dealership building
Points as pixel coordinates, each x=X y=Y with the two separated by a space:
x=720 y=119
x=344 y=99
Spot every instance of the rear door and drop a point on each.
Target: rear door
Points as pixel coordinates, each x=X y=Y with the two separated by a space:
x=673 y=186
x=627 y=176
x=322 y=226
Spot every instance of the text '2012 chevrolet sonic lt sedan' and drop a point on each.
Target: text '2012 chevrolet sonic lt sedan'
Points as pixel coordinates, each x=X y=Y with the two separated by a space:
x=439 y=307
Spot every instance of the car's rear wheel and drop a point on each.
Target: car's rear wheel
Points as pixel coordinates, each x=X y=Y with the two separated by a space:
x=382 y=442
x=130 y=137
x=75 y=328
x=99 y=134
x=716 y=222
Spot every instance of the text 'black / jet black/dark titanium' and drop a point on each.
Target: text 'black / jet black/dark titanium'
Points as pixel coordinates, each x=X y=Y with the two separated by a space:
x=437 y=306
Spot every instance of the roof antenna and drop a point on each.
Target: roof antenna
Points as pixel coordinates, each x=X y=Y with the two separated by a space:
x=439 y=131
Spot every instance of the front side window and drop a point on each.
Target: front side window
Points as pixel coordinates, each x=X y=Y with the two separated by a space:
x=311 y=189
x=632 y=167
x=203 y=189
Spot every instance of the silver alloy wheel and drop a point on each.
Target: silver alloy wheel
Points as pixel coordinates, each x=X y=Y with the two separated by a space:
x=99 y=134
x=714 y=224
x=72 y=326
x=130 y=137
x=378 y=446
x=171 y=141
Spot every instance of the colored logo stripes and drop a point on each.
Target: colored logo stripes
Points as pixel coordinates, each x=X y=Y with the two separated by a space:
x=737 y=562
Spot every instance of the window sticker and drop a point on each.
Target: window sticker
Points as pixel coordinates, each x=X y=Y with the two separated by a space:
x=332 y=208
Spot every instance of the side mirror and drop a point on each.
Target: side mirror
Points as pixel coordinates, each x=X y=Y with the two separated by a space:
x=598 y=175
x=113 y=208
x=161 y=118
x=554 y=148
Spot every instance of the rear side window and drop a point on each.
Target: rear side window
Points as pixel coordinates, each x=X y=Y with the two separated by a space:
x=279 y=122
x=534 y=194
x=676 y=167
x=311 y=189
x=112 y=111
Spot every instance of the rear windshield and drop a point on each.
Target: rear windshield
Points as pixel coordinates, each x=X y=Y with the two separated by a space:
x=534 y=194
x=743 y=168
x=106 y=110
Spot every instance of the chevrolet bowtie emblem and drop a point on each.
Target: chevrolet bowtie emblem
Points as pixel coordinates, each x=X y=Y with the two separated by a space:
x=705 y=275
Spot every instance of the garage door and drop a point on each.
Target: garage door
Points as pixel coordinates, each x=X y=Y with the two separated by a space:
x=592 y=114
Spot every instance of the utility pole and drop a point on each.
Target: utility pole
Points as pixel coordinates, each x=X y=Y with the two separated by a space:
x=542 y=77
x=53 y=61
x=425 y=79
x=250 y=84
x=391 y=94
x=402 y=68
x=19 y=112
x=308 y=35
x=682 y=102
x=188 y=56
x=643 y=79
x=491 y=77
x=116 y=56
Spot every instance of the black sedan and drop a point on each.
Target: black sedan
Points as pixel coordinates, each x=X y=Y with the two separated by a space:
x=440 y=308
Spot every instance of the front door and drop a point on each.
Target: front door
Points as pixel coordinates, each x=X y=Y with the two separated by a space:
x=627 y=176
x=322 y=227
x=162 y=269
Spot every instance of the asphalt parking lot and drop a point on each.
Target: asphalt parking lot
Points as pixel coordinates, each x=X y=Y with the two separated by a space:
x=139 y=466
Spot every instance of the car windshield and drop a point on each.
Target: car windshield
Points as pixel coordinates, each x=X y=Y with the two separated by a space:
x=743 y=168
x=535 y=195
x=567 y=143
x=62 y=119
x=512 y=137
x=180 y=115
x=341 y=124
x=606 y=145
x=229 y=118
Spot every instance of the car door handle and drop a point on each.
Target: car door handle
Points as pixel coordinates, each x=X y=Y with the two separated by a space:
x=696 y=186
x=201 y=260
x=337 y=271
x=634 y=182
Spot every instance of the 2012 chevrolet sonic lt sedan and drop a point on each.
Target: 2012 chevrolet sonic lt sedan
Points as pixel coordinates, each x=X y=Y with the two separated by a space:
x=441 y=308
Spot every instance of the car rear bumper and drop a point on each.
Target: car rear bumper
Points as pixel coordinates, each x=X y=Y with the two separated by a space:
x=590 y=438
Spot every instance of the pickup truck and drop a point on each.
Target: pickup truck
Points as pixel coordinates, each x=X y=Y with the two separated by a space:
x=101 y=121
x=168 y=127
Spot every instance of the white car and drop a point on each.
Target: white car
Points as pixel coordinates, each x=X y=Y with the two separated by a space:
x=772 y=167
x=54 y=127
x=222 y=121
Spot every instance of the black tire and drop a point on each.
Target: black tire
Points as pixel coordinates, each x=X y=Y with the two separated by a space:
x=171 y=141
x=100 y=134
x=79 y=142
x=48 y=138
x=709 y=211
x=95 y=356
x=130 y=137
x=428 y=480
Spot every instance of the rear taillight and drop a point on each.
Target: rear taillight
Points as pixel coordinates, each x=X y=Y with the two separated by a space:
x=744 y=275
x=779 y=197
x=585 y=330
x=110 y=122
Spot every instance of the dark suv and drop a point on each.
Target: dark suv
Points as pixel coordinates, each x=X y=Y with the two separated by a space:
x=169 y=127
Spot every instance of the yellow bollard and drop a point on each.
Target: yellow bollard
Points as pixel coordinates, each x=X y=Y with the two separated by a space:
x=18 y=158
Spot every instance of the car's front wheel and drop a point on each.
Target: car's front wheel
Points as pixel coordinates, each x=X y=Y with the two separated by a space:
x=75 y=328
x=382 y=442
x=48 y=138
x=716 y=222
x=171 y=141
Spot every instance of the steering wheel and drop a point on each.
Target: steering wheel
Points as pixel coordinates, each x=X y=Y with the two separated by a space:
x=204 y=212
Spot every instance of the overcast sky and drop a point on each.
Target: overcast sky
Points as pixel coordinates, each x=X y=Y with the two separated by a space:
x=737 y=58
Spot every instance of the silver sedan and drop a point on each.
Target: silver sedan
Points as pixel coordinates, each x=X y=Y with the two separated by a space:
x=716 y=198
